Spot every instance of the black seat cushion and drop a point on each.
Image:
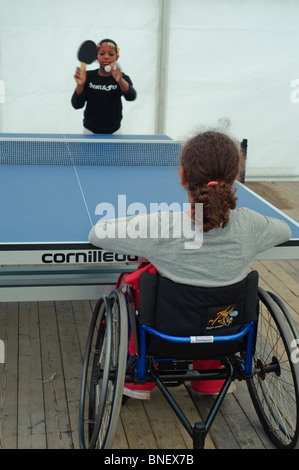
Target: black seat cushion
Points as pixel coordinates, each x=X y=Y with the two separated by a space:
x=184 y=310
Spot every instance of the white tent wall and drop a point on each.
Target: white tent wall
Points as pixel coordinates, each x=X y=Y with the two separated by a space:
x=236 y=59
x=232 y=59
x=39 y=40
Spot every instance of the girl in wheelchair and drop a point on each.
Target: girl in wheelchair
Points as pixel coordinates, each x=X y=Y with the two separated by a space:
x=231 y=238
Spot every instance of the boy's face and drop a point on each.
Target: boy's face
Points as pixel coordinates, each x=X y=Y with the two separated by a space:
x=106 y=55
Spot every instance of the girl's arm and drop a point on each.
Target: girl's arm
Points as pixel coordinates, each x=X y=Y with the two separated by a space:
x=126 y=88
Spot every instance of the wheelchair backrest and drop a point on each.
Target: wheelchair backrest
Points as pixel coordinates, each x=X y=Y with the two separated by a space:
x=184 y=310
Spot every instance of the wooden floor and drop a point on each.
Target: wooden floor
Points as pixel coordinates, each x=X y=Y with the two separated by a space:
x=40 y=380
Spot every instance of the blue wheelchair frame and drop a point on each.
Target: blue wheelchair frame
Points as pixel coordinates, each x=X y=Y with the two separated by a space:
x=244 y=371
x=247 y=329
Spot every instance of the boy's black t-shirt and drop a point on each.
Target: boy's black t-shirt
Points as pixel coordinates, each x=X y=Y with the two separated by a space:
x=102 y=95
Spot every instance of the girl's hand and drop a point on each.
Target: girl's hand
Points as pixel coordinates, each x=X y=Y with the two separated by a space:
x=80 y=77
x=118 y=76
x=116 y=72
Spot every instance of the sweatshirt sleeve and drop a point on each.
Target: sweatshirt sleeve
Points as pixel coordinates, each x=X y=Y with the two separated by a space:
x=267 y=232
x=127 y=235
x=78 y=101
x=131 y=94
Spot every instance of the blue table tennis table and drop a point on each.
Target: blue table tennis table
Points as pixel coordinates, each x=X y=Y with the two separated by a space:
x=51 y=189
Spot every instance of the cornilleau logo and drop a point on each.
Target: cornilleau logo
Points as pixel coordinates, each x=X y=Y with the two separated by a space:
x=92 y=256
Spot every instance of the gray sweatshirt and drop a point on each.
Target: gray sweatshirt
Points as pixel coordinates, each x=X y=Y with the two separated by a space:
x=182 y=253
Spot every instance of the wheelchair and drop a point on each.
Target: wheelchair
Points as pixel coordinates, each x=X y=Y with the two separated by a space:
x=248 y=328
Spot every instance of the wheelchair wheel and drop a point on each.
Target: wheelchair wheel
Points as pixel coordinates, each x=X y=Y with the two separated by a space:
x=274 y=385
x=103 y=372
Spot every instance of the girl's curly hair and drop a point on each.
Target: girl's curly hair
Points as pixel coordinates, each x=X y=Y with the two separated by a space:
x=211 y=156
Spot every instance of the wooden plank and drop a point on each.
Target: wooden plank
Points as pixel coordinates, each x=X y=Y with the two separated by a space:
x=31 y=419
x=163 y=420
x=289 y=190
x=273 y=280
x=120 y=440
x=238 y=421
x=9 y=323
x=289 y=285
x=150 y=424
x=136 y=426
x=234 y=426
x=71 y=363
x=182 y=397
x=220 y=433
x=260 y=439
x=278 y=195
x=283 y=195
x=56 y=409
x=291 y=267
x=292 y=187
x=82 y=316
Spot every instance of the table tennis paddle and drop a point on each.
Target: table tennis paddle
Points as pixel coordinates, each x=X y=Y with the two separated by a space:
x=87 y=53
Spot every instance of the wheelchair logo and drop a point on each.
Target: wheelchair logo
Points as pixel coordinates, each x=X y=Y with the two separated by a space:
x=224 y=318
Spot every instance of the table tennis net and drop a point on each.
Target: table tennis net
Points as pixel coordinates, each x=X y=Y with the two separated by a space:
x=97 y=153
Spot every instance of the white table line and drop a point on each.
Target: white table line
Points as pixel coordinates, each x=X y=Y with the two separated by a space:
x=79 y=183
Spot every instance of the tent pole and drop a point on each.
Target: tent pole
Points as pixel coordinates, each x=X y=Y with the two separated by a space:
x=162 y=66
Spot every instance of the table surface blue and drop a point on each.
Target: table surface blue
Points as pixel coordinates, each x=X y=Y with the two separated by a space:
x=55 y=204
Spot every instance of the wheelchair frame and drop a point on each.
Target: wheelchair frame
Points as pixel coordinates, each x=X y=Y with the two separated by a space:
x=108 y=365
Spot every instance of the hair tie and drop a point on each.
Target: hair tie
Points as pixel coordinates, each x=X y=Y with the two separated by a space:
x=110 y=43
x=212 y=183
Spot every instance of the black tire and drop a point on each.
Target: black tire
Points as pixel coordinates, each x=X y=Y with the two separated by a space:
x=103 y=372
x=274 y=385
